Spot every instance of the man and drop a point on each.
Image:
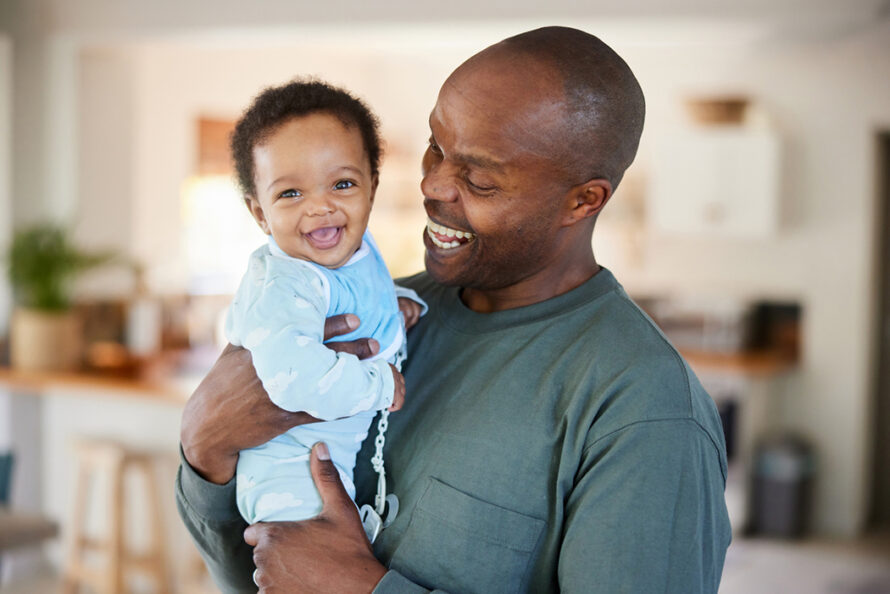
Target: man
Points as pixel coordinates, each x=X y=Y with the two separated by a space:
x=552 y=440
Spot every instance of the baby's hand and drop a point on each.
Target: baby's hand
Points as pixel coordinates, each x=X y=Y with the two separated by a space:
x=398 y=397
x=410 y=311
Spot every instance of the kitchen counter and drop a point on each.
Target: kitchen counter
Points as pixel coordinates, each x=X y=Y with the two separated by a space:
x=751 y=364
x=170 y=378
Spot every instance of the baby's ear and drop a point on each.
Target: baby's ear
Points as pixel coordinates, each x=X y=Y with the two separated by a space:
x=375 y=179
x=253 y=205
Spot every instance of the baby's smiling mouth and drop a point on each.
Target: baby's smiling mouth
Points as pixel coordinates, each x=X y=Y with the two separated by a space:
x=324 y=237
x=447 y=238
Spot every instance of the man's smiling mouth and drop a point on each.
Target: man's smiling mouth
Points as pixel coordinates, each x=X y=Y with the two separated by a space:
x=447 y=238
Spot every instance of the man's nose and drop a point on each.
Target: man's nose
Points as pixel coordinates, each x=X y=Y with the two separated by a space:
x=438 y=182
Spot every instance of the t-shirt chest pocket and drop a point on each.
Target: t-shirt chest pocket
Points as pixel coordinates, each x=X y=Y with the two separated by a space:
x=459 y=543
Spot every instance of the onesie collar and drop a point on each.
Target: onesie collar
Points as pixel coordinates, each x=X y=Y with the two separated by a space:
x=360 y=253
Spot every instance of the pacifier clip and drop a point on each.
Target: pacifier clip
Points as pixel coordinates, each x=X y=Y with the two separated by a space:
x=373 y=517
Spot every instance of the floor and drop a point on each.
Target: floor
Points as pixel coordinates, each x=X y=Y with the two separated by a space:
x=752 y=566
x=811 y=567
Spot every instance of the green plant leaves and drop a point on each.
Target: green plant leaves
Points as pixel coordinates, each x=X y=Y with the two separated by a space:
x=42 y=264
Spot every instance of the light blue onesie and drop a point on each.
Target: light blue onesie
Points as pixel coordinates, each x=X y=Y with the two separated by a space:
x=278 y=314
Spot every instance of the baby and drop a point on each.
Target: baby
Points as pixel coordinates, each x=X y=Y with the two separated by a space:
x=307 y=157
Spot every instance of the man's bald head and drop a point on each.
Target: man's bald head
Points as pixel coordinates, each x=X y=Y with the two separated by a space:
x=603 y=106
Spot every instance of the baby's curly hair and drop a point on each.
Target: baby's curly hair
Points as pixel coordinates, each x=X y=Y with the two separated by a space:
x=301 y=97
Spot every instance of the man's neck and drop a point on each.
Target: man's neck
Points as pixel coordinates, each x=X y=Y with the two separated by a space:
x=543 y=285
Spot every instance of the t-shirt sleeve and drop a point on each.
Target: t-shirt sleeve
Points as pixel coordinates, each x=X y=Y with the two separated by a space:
x=284 y=330
x=209 y=513
x=646 y=513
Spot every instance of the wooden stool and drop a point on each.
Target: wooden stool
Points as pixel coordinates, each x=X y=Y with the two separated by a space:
x=113 y=460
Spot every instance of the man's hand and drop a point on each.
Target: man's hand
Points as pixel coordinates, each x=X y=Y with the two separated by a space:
x=344 y=324
x=328 y=553
x=410 y=311
x=230 y=411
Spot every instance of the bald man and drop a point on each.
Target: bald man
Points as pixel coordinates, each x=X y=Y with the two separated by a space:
x=552 y=439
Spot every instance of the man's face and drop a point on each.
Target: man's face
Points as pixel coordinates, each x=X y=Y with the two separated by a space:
x=491 y=188
x=314 y=189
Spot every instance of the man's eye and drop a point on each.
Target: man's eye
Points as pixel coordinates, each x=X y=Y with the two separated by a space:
x=479 y=188
x=434 y=148
x=344 y=184
x=290 y=194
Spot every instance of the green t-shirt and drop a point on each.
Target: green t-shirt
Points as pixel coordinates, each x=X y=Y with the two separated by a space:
x=563 y=446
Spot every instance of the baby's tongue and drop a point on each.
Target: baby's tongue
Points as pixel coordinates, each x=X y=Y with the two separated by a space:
x=324 y=234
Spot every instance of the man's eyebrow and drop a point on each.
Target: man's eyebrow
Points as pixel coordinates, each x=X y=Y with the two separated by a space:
x=480 y=162
x=474 y=160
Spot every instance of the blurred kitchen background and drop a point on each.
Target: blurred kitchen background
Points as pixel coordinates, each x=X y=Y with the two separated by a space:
x=754 y=227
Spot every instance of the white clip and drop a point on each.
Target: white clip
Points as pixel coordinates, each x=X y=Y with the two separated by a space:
x=393 y=510
x=371 y=522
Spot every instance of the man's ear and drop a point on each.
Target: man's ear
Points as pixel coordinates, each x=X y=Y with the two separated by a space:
x=253 y=205
x=586 y=200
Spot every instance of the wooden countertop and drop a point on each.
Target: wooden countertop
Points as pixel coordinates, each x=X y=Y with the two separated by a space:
x=161 y=379
x=754 y=364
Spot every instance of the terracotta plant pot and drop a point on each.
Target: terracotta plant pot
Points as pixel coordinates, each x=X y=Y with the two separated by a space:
x=45 y=341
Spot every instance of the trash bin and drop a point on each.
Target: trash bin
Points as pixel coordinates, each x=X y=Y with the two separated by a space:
x=782 y=487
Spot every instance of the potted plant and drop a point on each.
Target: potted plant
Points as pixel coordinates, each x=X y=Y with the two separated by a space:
x=45 y=333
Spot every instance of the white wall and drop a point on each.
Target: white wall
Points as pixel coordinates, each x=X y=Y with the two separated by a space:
x=105 y=162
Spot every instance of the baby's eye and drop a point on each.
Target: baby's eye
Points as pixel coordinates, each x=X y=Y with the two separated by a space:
x=344 y=184
x=290 y=194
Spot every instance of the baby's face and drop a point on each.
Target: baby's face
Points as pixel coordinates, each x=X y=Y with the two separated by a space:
x=314 y=189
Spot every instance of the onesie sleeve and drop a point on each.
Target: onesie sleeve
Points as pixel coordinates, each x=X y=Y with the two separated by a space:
x=284 y=333
x=646 y=513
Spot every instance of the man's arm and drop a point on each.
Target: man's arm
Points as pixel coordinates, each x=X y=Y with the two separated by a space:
x=647 y=513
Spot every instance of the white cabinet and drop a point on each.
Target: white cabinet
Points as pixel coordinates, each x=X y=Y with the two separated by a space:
x=721 y=180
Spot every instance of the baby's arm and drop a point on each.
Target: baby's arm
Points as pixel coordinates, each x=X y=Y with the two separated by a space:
x=411 y=311
x=297 y=370
x=411 y=305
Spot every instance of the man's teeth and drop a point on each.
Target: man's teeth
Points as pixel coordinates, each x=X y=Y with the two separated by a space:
x=442 y=244
x=434 y=228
